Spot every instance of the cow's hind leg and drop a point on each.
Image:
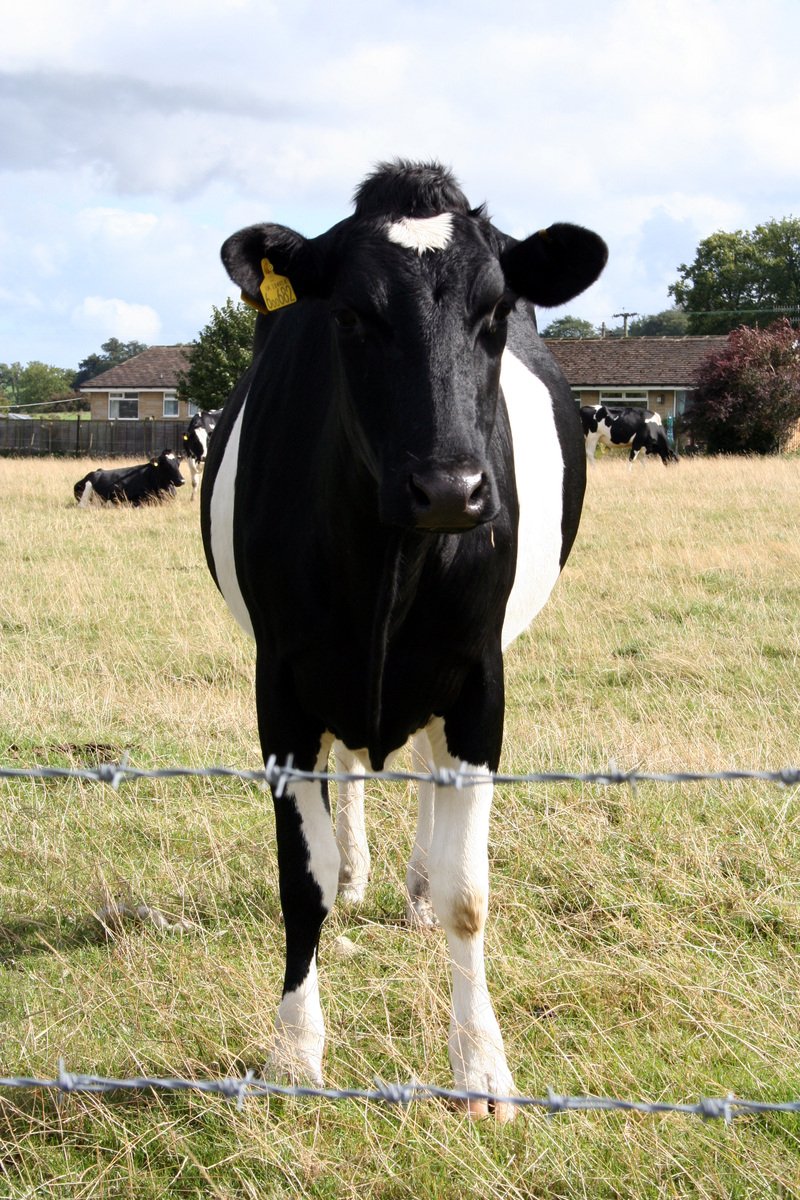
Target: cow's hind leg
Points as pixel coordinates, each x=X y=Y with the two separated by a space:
x=195 y=470
x=351 y=833
x=419 y=910
x=308 y=868
x=459 y=882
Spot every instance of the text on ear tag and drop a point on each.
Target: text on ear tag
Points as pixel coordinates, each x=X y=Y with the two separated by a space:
x=276 y=289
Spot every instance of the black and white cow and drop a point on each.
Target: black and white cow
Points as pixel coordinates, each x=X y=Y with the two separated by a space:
x=638 y=428
x=151 y=481
x=195 y=443
x=402 y=451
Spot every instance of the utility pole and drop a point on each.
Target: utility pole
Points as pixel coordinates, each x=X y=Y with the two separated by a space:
x=625 y=316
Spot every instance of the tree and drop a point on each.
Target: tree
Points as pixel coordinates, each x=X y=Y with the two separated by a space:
x=114 y=353
x=9 y=382
x=40 y=384
x=748 y=394
x=219 y=356
x=36 y=385
x=669 y=323
x=741 y=278
x=569 y=327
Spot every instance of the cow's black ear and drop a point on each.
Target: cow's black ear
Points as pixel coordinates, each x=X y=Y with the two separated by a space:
x=291 y=256
x=555 y=265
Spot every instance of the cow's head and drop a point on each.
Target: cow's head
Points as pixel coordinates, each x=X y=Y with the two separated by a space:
x=169 y=470
x=419 y=289
x=590 y=415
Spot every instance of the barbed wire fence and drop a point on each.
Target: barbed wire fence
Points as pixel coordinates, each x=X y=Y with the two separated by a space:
x=278 y=775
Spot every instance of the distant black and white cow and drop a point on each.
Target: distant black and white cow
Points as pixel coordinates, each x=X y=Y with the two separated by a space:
x=638 y=428
x=152 y=481
x=403 y=450
x=195 y=443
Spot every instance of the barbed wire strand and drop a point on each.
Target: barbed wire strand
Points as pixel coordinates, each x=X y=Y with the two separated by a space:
x=278 y=775
x=249 y=1087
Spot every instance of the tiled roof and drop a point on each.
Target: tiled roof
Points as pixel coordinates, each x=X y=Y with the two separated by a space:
x=656 y=362
x=153 y=370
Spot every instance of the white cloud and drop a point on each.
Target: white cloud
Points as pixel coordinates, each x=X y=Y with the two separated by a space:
x=116 y=224
x=105 y=317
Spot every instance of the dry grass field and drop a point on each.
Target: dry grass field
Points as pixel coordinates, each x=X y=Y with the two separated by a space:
x=643 y=943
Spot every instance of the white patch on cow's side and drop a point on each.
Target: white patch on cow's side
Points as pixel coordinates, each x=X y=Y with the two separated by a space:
x=86 y=496
x=221 y=526
x=653 y=419
x=539 y=470
x=422 y=233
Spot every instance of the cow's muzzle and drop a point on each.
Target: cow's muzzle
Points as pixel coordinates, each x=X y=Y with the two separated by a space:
x=451 y=498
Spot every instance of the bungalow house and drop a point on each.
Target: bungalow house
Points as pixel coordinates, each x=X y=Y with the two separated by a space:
x=648 y=372
x=141 y=387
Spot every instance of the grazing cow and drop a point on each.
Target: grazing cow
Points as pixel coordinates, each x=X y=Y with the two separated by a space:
x=152 y=481
x=638 y=428
x=402 y=430
x=195 y=443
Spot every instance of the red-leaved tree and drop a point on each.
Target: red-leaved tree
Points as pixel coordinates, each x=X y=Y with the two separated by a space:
x=748 y=394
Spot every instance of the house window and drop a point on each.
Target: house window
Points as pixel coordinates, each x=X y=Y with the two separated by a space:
x=170 y=404
x=123 y=406
x=192 y=408
x=629 y=399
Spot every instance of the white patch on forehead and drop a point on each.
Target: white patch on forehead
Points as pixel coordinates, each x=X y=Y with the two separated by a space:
x=422 y=233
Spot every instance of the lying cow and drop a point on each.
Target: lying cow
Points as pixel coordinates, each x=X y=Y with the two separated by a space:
x=403 y=450
x=195 y=443
x=638 y=428
x=152 y=481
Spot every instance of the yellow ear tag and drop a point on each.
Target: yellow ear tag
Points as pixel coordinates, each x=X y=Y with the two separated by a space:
x=276 y=289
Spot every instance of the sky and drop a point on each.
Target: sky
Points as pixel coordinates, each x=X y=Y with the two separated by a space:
x=135 y=136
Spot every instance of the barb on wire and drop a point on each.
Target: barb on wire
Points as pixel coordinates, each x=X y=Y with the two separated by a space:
x=249 y=1087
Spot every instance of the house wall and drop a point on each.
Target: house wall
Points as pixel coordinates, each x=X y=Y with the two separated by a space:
x=151 y=405
x=661 y=402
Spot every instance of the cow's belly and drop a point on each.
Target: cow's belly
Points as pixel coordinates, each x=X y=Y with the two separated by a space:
x=221 y=526
x=539 y=470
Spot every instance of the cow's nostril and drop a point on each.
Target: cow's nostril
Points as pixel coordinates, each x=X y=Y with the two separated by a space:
x=418 y=494
x=478 y=493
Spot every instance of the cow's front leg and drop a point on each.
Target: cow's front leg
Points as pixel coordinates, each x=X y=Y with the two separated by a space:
x=308 y=866
x=459 y=883
x=351 y=832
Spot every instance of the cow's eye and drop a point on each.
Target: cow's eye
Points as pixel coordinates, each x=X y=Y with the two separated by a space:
x=346 y=320
x=497 y=319
x=502 y=311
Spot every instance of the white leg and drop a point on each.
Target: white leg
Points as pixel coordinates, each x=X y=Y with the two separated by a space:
x=419 y=910
x=194 y=473
x=459 y=880
x=307 y=897
x=351 y=833
x=87 y=495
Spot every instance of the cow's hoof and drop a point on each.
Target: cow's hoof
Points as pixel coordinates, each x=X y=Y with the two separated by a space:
x=479 y=1065
x=419 y=913
x=352 y=890
x=287 y=1063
